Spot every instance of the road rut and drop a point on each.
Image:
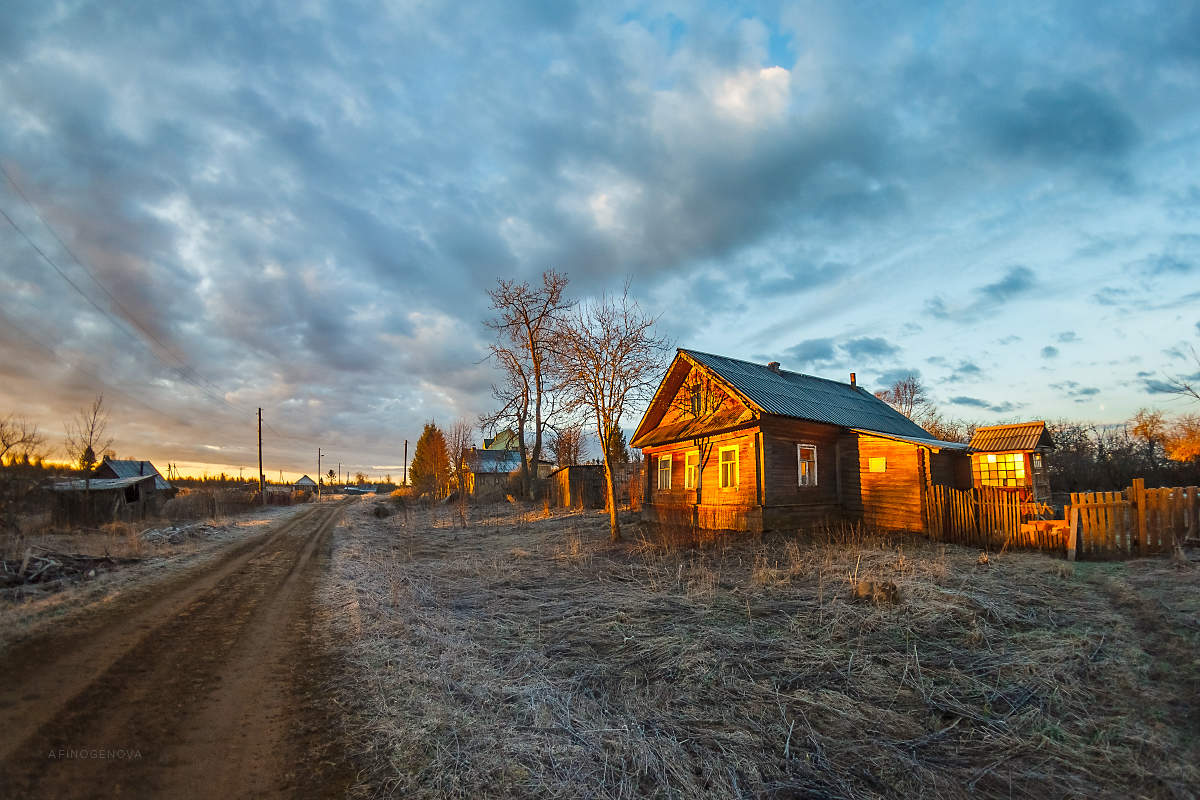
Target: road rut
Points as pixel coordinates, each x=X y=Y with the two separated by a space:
x=207 y=686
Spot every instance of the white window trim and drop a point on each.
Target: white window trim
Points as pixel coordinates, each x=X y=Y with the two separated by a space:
x=688 y=482
x=800 y=447
x=667 y=460
x=721 y=465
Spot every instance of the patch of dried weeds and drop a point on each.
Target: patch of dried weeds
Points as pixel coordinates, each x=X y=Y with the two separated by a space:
x=532 y=658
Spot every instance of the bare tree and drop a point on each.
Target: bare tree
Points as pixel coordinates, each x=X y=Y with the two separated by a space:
x=907 y=396
x=567 y=445
x=609 y=357
x=458 y=442
x=1187 y=385
x=525 y=320
x=85 y=434
x=20 y=437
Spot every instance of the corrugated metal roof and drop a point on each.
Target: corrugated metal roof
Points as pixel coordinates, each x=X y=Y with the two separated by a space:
x=486 y=461
x=924 y=441
x=97 y=484
x=793 y=394
x=1019 y=436
x=129 y=468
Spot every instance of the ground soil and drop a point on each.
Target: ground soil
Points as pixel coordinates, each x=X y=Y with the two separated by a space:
x=209 y=683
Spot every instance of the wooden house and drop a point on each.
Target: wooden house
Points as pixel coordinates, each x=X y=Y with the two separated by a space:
x=487 y=470
x=305 y=484
x=734 y=445
x=1013 y=457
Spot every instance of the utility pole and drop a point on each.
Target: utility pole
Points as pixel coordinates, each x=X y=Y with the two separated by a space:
x=339 y=472
x=406 y=462
x=318 y=474
x=262 y=479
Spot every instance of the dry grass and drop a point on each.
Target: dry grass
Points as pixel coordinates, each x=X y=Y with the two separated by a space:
x=529 y=657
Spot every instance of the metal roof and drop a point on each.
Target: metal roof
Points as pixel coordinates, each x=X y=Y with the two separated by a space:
x=485 y=461
x=129 y=468
x=794 y=394
x=1005 y=438
x=98 y=484
x=305 y=481
x=924 y=441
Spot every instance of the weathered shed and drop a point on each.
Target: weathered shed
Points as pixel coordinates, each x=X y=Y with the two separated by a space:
x=487 y=471
x=95 y=501
x=577 y=486
x=734 y=445
x=132 y=468
x=1012 y=457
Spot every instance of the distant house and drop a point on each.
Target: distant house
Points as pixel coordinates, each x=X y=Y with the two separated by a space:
x=305 y=484
x=734 y=445
x=487 y=470
x=1013 y=457
x=129 y=468
x=504 y=440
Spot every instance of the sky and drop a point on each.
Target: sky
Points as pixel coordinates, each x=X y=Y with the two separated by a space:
x=215 y=207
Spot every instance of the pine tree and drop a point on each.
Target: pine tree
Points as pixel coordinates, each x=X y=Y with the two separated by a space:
x=430 y=471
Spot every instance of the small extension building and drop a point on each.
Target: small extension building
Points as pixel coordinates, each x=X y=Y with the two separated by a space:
x=1013 y=457
x=734 y=445
x=487 y=471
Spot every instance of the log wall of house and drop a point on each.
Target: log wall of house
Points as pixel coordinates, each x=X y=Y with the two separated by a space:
x=890 y=499
x=709 y=491
x=786 y=504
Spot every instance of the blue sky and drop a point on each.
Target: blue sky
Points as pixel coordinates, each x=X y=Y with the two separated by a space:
x=300 y=207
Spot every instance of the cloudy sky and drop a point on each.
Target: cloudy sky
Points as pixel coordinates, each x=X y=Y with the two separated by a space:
x=300 y=205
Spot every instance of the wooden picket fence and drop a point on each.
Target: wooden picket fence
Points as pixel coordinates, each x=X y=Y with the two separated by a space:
x=990 y=518
x=1136 y=521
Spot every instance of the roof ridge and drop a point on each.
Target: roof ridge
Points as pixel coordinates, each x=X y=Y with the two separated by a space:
x=1011 y=425
x=764 y=366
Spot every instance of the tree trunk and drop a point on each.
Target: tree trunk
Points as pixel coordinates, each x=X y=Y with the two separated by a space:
x=614 y=526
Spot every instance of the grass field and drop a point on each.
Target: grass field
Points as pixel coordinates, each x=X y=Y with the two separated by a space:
x=527 y=656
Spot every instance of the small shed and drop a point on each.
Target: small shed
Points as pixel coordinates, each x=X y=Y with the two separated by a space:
x=488 y=470
x=1013 y=457
x=577 y=486
x=133 y=468
x=96 y=501
x=305 y=484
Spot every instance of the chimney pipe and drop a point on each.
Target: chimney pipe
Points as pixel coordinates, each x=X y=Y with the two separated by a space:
x=853 y=382
x=773 y=366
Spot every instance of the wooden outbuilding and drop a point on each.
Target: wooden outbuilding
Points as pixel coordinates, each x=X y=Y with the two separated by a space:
x=1012 y=457
x=487 y=470
x=734 y=445
x=96 y=501
x=305 y=484
x=133 y=468
x=577 y=486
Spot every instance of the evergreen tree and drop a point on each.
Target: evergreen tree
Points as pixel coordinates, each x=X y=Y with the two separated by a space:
x=430 y=471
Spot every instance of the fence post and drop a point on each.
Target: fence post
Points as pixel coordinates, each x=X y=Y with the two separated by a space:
x=1138 y=496
x=1073 y=533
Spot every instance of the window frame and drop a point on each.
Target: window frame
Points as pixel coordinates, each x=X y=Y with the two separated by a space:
x=800 y=460
x=721 y=462
x=691 y=472
x=664 y=458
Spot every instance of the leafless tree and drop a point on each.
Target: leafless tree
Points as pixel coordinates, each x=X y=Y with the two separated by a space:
x=525 y=320
x=85 y=434
x=907 y=396
x=513 y=394
x=1187 y=385
x=609 y=357
x=567 y=445
x=19 y=436
x=458 y=442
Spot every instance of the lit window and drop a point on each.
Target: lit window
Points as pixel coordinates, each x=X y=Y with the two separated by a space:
x=1000 y=469
x=691 y=469
x=729 y=467
x=806 y=464
x=664 y=472
x=878 y=464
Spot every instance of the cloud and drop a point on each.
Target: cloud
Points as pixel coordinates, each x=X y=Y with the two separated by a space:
x=1049 y=351
x=1016 y=282
x=1154 y=386
x=1067 y=337
x=868 y=348
x=890 y=377
x=975 y=402
x=810 y=352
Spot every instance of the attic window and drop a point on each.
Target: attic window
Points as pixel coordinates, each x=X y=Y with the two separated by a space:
x=697 y=403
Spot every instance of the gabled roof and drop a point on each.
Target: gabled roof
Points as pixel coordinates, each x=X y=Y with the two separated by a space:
x=504 y=440
x=1007 y=438
x=305 y=481
x=794 y=394
x=130 y=468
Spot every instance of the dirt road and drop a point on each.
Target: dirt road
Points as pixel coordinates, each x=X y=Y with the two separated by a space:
x=208 y=685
